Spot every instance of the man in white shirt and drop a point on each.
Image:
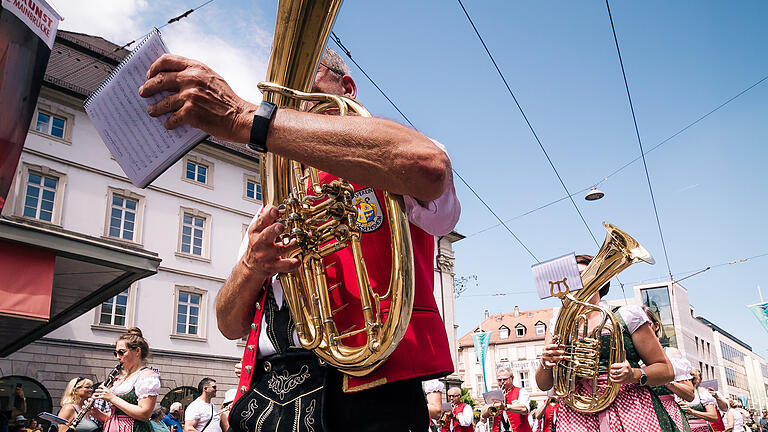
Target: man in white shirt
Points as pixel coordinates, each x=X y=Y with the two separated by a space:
x=201 y=415
x=514 y=409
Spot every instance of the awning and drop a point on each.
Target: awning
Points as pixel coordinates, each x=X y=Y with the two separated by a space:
x=86 y=271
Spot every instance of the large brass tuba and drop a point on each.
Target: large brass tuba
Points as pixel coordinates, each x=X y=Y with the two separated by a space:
x=582 y=346
x=321 y=218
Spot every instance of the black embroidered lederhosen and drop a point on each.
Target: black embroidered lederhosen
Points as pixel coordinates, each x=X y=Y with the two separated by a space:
x=287 y=388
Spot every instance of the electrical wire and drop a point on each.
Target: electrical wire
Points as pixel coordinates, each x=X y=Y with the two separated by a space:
x=621 y=168
x=127 y=44
x=525 y=117
x=639 y=141
x=341 y=46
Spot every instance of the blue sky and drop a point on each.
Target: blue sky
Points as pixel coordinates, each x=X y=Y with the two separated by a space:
x=682 y=60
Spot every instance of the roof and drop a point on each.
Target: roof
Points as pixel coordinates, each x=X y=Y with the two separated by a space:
x=718 y=329
x=528 y=318
x=79 y=63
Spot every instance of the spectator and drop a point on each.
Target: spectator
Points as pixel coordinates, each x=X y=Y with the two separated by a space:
x=174 y=417
x=156 y=420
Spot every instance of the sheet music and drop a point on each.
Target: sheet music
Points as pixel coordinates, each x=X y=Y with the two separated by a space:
x=141 y=145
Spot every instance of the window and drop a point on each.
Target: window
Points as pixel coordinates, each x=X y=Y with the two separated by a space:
x=189 y=313
x=116 y=313
x=194 y=234
x=198 y=171
x=764 y=369
x=503 y=354
x=252 y=189
x=541 y=328
x=696 y=339
x=731 y=353
x=41 y=193
x=480 y=386
x=184 y=395
x=115 y=310
x=503 y=332
x=520 y=329
x=40 y=196
x=521 y=353
x=524 y=382
x=124 y=215
x=50 y=124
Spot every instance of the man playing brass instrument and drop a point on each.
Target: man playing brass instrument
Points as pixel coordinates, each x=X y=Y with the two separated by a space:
x=513 y=412
x=461 y=417
x=281 y=385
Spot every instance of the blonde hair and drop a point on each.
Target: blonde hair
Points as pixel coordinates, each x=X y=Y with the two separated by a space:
x=70 y=396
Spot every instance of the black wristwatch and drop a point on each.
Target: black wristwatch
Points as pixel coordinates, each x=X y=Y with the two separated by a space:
x=261 y=121
x=643 y=377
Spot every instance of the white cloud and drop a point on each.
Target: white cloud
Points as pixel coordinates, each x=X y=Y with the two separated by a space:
x=115 y=20
x=242 y=67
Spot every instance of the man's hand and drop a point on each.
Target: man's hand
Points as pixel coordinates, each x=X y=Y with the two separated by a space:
x=264 y=256
x=238 y=368
x=201 y=98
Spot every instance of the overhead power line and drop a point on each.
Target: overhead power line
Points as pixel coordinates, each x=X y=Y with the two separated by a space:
x=341 y=46
x=621 y=168
x=525 y=117
x=639 y=141
x=127 y=44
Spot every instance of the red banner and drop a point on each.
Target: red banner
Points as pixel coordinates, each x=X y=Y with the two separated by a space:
x=26 y=280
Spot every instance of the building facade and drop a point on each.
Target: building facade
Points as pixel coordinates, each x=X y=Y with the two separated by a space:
x=517 y=340
x=193 y=216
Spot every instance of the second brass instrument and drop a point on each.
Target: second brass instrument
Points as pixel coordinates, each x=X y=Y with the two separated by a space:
x=582 y=347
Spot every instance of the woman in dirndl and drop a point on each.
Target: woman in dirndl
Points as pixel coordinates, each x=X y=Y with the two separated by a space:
x=635 y=407
x=134 y=393
x=703 y=408
x=682 y=387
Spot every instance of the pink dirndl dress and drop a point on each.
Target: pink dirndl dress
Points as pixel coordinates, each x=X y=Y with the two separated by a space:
x=144 y=385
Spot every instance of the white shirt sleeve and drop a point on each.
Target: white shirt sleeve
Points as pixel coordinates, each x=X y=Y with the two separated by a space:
x=244 y=241
x=555 y=314
x=524 y=398
x=634 y=316
x=706 y=398
x=681 y=365
x=465 y=417
x=433 y=386
x=437 y=217
x=147 y=384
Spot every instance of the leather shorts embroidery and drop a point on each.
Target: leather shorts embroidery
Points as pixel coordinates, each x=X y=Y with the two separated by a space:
x=286 y=394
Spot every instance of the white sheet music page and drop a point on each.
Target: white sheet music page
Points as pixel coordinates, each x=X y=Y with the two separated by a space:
x=557 y=277
x=141 y=144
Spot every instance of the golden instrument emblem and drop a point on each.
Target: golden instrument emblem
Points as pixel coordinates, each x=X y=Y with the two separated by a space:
x=560 y=293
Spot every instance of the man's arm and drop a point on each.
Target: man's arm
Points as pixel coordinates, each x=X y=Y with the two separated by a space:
x=466 y=416
x=375 y=152
x=189 y=426
x=262 y=258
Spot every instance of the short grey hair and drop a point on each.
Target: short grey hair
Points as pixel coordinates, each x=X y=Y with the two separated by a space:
x=454 y=388
x=504 y=368
x=333 y=61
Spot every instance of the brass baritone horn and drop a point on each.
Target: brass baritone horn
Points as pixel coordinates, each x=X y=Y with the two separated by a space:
x=321 y=218
x=582 y=347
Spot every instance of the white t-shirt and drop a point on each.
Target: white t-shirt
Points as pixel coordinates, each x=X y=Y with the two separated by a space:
x=201 y=411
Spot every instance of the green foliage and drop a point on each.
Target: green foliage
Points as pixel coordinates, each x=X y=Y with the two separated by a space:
x=466 y=398
x=533 y=405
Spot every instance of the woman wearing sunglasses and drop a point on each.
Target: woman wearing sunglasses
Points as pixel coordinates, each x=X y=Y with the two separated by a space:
x=77 y=392
x=134 y=393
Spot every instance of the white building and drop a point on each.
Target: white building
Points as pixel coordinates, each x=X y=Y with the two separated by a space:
x=517 y=340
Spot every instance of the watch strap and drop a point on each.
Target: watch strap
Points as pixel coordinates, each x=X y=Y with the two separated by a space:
x=260 y=128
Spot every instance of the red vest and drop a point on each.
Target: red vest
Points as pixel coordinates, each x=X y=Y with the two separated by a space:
x=423 y=352
x=458 y=409
x=545 y=424
x=517 y=422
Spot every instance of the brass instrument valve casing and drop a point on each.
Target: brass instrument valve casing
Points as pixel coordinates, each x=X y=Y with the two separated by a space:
x=586 y=357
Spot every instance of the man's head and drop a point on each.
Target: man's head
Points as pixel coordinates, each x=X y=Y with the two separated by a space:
x=504 y=378
x=583 y=261
x=207 y=387
x=175 y=409
x=333 y=76
x=454 y=395
x=765 y=413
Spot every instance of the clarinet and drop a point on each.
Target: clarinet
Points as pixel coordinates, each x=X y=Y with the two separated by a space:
x=87 y=407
